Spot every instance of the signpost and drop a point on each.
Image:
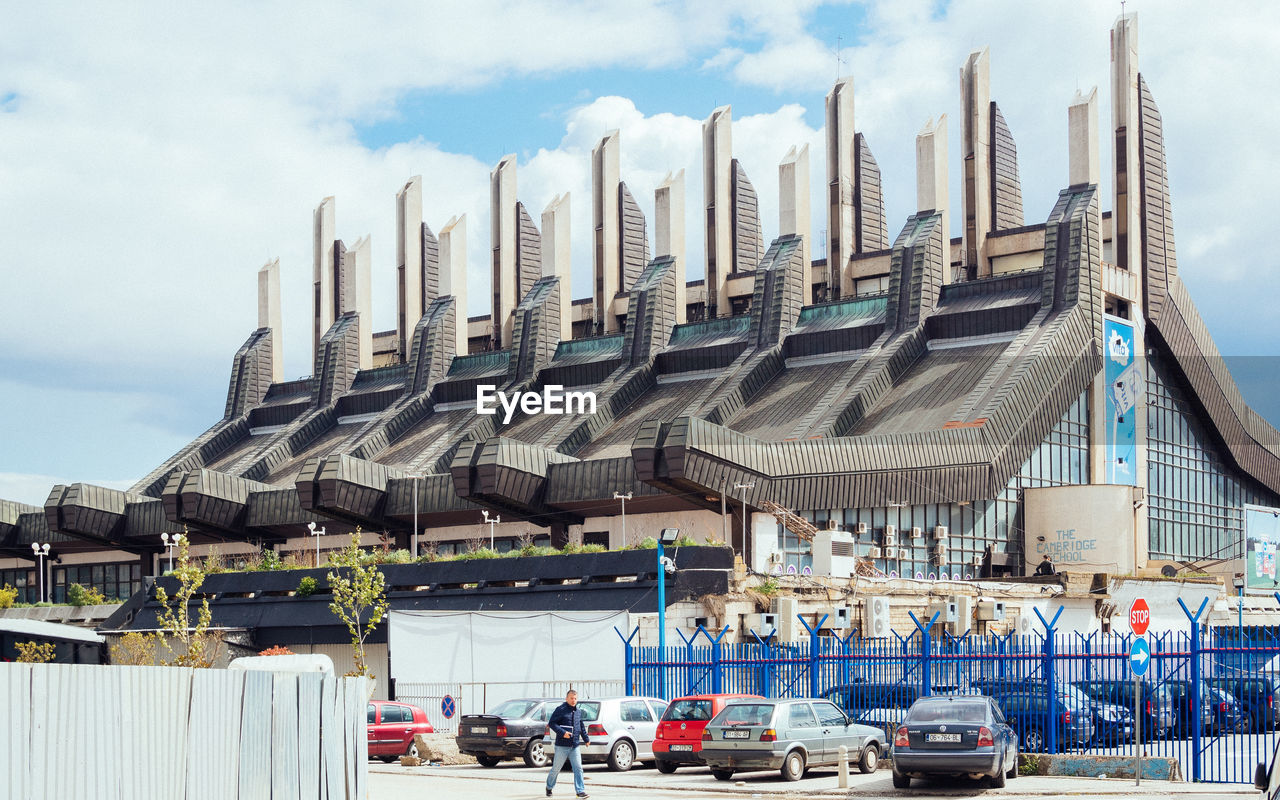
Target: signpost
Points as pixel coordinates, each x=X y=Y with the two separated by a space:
x=1139 y=663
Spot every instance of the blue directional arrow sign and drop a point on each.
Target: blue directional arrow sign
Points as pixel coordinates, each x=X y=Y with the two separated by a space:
x=1139 y=656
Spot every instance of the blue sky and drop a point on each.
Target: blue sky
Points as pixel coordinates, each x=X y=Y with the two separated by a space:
x=152 y=158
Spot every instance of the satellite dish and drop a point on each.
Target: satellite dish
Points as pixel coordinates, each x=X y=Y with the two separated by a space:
x=1169 y=571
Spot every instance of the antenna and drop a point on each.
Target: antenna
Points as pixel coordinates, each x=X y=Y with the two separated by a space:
x=839 y=59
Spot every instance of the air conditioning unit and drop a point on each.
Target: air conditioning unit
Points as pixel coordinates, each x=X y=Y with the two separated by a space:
x=784 y=608
x=916 y=533
x=833 y=524
x=940 y=554
x=874 y=552
x=1025 y=627
x=891 y=553
x=990 y=610
x=839 y=618
x=891 y=533
x=888 y=539
x=860 y=528
x=940 y=532
x=875 y=618
x=768 y=622
x=964 y=614
x=945 y=609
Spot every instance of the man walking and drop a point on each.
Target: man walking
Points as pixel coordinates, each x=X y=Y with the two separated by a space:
x=568 y=729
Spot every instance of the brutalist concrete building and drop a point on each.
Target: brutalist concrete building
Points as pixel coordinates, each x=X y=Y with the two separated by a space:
x=933 y=407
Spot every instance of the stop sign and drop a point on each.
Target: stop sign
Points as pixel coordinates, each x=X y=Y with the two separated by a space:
x=1139 y=616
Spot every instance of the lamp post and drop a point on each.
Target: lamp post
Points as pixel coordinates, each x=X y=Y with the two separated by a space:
x=624 y=498
x=746 y=537
x=171 y=542
x=316 y=533
x=491 y=522
x=667 y=536
x=1239 y=584
x=415 y=478
x=41 y=552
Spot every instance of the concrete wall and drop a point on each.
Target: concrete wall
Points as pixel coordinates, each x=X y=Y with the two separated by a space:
x=1083 y=528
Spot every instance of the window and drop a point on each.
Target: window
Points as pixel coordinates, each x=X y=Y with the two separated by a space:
x=596 y=537
x=635 y=711
x=117 y=581
x=392 y=714
x=829 y=715
x=373 y=713
x=801 y=716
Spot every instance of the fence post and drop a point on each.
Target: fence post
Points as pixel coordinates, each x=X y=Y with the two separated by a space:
x=688 y=659
x=1050 y=689
x=627 y=658
x=717 y=680
x=926 y=679
x=1196 y=724
x=813 y=652
x=766 y=663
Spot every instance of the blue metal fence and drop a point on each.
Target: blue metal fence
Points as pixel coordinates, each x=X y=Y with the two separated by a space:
x=1209 y=699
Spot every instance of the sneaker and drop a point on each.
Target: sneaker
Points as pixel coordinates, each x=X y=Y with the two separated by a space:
x=548 y=793
x=583 y=794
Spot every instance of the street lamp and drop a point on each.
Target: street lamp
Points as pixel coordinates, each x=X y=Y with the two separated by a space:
x=1239 y=584
x=624 y=498
x=316 y=533
x=171 y=542
x=746 y=537
x=41 y=552
x=666 y=537
x=491 y=523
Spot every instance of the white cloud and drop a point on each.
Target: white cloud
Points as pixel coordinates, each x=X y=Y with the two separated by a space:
x=33 y=489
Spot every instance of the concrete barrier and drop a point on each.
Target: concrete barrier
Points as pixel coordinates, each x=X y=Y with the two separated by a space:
x=1087 y=766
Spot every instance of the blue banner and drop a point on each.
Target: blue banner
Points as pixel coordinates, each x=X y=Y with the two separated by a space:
x=1124 y=383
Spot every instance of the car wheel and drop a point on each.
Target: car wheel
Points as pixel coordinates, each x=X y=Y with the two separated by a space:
x=387 y=759
x=721 y=774
x=412 y=749
x=1033 y=741
x=535 y=755
x=622 y=756
x=901 y=781
x=869 y=759
x=998 y=780
x=793 y=766
x=665 y=767
x=488 y=761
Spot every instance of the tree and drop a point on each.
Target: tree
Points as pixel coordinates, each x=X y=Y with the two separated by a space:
x=35 y=652
x=198 y=646
x=359 y=597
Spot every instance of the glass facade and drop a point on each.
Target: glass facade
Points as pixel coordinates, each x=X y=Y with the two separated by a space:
x=24 y=580
x=1061 y=460
x=1194 y=498
x=115 y=581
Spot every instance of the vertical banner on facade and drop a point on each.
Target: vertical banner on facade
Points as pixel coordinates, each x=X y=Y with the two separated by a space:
x=1261 y=537
x=1123 y=386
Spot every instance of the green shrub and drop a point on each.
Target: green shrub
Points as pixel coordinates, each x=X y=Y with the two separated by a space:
x=768 y=588
x=531 y=550
x=685 y=540
x=473 y=555
x=306 y=586
x=78 y=595
x=270 y=561
x=593 y=548
x=8 y=596
x=395 y=557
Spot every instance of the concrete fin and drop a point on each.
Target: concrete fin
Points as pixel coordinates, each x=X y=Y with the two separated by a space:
x=748 y=244
x=633 y=239
x=871 y=228
x=1006 y=185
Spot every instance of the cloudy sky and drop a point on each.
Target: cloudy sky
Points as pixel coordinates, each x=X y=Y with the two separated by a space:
x=152 y=158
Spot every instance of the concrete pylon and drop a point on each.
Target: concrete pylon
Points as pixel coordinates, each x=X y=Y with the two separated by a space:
x=409 y=266
x=668 y=223
x=555 y=257
x=453 y=276
x=503 y=231
x=605 y=176
x=1125 y=108
x=717 y=178
x=269 y=314
x=931 y=175
x=840 y=174
x=793 y=206
x=355 y=294
x=975 y=149
x=1082 y=139
x=323 y=236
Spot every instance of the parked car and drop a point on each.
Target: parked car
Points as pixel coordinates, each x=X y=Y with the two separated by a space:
x=1228 y=716
x=1256 y=696
x=954 y=735
x=883 y=705
x=678 y=742
x=621 y=730
x=510 y=730
x=1218 y=712
x=787 y=735
x=1032 y=717
x=1156 y=706
x=392 y=727
x=1112 y=724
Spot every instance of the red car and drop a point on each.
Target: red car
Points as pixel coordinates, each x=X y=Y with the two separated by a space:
x=679 y=739
x=392 y=727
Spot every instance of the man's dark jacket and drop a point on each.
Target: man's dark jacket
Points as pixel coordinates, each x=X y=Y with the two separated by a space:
x=568 y=718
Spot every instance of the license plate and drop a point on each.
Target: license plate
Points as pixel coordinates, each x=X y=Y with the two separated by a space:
x=942 y=737
x=479 y=729
x=682 y=748
x=737 y=734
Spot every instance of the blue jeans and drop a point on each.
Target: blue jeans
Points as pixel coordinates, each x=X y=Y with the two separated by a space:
x=557 y=764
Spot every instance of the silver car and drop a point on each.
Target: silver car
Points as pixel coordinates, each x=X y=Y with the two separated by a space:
x=621 y=730
x=786 y=735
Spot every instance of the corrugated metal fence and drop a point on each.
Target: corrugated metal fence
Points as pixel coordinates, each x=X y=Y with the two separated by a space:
x=115 y=732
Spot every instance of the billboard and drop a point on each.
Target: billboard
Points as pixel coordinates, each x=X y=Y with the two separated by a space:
x=1124 y=383
x=1261 y=537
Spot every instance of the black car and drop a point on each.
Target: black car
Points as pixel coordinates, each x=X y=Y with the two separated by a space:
x=954 y=735
x=1033 y=717
x=1256 y=697
x=1219 y=713
x=512 y=730
x=883 y=705
x=1112 y=724
x=1155 y=706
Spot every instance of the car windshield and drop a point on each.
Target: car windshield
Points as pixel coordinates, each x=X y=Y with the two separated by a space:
x=514 y=709
x=688 y=710
x=948 y=711
x=1075 y=694
x=590 y=711
x=744 y=714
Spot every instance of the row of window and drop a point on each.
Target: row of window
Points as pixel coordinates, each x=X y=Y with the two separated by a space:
x=115 y=581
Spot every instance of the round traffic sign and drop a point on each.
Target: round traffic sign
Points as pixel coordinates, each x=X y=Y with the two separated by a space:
x=1139 y=616
x=447 y=707
x=1139 y=657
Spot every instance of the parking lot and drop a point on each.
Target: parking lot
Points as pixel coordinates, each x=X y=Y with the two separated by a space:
x=393 y=782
